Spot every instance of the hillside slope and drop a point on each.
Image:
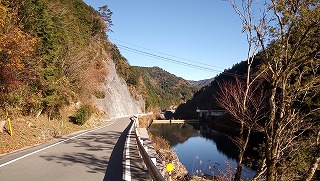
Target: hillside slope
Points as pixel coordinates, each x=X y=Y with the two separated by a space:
x=165 y=89
x=117 y=101
x=204 y=98
x=201 y=83
x=56 y=65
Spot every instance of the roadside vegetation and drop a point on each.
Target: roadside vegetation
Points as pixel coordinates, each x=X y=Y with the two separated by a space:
x=51 y=65
x=44 y=55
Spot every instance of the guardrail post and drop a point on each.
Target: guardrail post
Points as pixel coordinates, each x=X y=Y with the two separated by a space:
x=154 y=160
x=169 y=177
x=169 y=168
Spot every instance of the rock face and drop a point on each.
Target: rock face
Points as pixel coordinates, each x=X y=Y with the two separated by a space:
x=117 y=101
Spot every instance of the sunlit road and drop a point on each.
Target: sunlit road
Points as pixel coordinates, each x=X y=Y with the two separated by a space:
x=95 y=155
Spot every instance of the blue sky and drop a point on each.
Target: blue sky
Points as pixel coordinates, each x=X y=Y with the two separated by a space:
x=204 y=33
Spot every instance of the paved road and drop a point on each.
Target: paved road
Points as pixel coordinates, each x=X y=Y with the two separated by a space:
x=95 y=155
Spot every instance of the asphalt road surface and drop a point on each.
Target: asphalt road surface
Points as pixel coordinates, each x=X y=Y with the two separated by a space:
x=92 y=155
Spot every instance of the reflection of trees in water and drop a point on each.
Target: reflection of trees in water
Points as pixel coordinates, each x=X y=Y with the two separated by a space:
x=221 y=137
x=174 y=133
x=223 y=143
x=179 y=133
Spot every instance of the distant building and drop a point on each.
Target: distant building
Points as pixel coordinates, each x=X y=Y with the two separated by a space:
x=203 y=114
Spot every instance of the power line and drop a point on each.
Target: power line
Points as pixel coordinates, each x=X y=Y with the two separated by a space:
x=206 y=67
x=173 y=56
x=171 y=60
x=152 y=55
x=166 y=58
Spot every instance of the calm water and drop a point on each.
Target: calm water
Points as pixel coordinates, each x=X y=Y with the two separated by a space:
x=200 y=148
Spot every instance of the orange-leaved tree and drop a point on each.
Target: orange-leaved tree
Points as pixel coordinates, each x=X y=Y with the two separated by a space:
x=15 y=47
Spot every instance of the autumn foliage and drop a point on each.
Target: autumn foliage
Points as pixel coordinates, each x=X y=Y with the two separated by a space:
x=15 y=47
x=50 y=55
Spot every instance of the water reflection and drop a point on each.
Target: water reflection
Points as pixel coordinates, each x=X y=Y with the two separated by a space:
x=200 y=147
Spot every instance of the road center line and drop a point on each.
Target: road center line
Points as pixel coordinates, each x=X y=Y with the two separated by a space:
x=37 y=151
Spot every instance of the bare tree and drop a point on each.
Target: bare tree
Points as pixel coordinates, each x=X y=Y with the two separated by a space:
x=241 y=92
x=231 y=97
x=289 y=40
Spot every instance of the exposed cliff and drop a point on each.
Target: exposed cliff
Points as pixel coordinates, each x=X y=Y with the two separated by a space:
x=118 y=101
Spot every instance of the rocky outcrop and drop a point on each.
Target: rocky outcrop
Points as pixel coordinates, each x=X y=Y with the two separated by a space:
x=117 y=100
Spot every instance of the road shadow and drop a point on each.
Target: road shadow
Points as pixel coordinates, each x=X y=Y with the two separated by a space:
x=91 y=147
x=92 y=152
x=138 y=173
x=114 y=170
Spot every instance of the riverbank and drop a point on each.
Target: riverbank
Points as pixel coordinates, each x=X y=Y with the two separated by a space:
x=162 y=147
x=203 y=150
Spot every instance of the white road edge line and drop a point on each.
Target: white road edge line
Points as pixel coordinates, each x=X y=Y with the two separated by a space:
x=127 y=171
x=37 y=151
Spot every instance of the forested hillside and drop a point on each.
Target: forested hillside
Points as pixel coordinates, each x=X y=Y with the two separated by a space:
x=44 y=55
x=165 y=89
x=201 y=83
x=204 y=98
x=56 y=62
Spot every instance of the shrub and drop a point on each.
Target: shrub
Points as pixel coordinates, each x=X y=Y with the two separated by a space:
x=99 y=94
x=159 y=142
x=82 y=115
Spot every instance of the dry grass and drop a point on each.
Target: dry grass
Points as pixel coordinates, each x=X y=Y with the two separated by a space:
x=28 y=131
x=145 y=121
x=159 y=142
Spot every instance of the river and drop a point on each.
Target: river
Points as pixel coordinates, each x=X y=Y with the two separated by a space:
x=200 y=149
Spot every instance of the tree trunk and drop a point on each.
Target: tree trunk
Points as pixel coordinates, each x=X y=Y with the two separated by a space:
x=237 y=176
x=270 y=133
x=271 y=160
x=271 y=167
x=312 y=169
x=315 y=162
x=245 y=138
x=260 y=171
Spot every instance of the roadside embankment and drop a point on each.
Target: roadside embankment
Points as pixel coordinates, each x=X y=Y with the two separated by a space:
x=28 y=131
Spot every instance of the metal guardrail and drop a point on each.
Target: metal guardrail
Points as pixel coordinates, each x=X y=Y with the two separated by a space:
x=152 y=168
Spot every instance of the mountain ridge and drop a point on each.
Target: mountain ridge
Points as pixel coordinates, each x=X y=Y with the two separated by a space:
x=201 y=83
x=164 y=88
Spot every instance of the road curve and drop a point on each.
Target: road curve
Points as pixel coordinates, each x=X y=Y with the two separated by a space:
x=93 y=155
